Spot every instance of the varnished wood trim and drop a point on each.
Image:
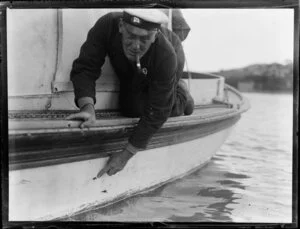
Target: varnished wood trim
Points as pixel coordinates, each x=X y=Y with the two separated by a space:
x=102 y=147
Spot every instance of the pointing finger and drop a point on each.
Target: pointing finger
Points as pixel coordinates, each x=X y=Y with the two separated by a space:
x=75 y=116
x=103 y=171
x=71 y=116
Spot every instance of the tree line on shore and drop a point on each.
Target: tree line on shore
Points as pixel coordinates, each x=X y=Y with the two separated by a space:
x=261 y=77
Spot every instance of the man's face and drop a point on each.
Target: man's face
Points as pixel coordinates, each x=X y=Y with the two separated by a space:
x=135 y=41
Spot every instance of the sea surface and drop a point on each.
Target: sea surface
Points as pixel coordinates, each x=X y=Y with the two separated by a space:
x=248 y=180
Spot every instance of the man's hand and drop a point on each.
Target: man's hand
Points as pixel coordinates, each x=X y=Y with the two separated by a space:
x=86 y=115
x=115 y=163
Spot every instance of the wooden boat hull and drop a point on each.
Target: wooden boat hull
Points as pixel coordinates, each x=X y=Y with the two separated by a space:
x=52 y=163
x=65 y=189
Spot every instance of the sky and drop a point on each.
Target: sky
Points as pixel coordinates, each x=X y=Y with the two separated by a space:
x=222 y=39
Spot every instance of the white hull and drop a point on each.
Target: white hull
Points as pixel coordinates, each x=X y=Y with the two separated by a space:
x=51 y=192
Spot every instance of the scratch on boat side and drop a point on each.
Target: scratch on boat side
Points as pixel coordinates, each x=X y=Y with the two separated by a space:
x=24 y=181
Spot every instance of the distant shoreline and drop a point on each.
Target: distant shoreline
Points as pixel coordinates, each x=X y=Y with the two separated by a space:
x=269 y=78
x=269 y=92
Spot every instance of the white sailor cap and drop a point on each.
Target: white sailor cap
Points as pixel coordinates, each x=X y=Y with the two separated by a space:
x=148 y=19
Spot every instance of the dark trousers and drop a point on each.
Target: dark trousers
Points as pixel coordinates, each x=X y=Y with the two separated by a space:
x=133 y=104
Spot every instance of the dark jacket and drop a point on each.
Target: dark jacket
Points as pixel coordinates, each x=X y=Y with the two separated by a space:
x=161 y=62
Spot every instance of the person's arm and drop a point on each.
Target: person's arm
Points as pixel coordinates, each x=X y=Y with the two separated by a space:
x=158 y=110
x=86 y=70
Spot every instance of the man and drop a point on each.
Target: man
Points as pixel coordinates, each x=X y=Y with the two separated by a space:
x=148 y=61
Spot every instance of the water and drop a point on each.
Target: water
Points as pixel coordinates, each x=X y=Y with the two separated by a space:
x=248 y=180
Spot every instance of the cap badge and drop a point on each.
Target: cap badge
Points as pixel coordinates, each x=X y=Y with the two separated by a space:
x=136 y=20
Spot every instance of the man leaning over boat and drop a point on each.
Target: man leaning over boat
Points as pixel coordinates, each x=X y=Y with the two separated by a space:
x=148 y=60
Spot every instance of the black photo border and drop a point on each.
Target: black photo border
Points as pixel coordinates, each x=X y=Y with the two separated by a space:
x=240 y=4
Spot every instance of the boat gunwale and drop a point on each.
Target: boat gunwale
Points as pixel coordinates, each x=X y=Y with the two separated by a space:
x=124 y=122
x=72 y=126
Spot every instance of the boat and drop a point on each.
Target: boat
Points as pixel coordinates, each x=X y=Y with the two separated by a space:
x=52 y=162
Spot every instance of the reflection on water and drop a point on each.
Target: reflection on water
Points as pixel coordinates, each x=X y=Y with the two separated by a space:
x=248 y=180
